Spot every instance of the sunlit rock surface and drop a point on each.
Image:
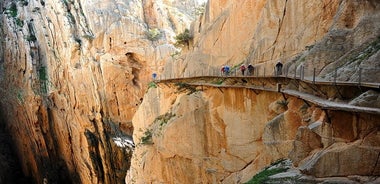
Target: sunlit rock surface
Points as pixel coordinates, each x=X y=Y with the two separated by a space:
x=72 y=74
x=228 y=135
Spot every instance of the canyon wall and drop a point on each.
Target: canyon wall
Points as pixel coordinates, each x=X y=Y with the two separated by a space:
x=72 y=74
x=226 y=135
x=222 y=135
x=325 y=35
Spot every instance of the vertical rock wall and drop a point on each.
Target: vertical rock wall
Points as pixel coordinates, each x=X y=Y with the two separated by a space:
x=323 y=34
x=226 y=135
x=72 y=74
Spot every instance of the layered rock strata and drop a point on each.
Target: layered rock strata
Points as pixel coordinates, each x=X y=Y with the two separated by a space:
x=72 y=74
x=188 y=134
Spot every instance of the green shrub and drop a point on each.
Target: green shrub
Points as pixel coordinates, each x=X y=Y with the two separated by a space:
x=12 y=10
x=147 y=138
x=183 y=38
x=163 y=119
x=153 y=34
x=176 y=53
x=42 y=74
x=218 y=82
x=276 y=167
x=263 y=176
x=20 y=96
x=200 y=10
x=152 y=85
x=184 y=86
x=283 y=103
x=31 y=38
x=19 y=22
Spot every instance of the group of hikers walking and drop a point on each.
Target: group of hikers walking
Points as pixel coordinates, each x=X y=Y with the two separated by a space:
x=226 y=70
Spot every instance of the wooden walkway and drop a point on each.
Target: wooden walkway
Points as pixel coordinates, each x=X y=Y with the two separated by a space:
x=317 y=82
x=318 y=101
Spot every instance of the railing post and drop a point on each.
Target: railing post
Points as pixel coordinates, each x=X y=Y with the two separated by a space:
x=286 y=71
x=314 y=76
x=302 y=72
x=264 y=72
x=257 y=71
x=360 y=76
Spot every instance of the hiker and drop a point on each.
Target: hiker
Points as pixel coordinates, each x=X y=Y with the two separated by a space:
x=223 y=70
x=242 y=69
x=227 y=69
x=250 y=69
x=279 y=68
x=154 y=76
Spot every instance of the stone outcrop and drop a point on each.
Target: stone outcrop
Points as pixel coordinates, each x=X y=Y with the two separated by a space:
x=227 y=135
x=240 y=132
x=72 y=74
x=368 y=99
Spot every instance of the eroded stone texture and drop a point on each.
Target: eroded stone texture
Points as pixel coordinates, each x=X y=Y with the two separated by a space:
x=73 y=73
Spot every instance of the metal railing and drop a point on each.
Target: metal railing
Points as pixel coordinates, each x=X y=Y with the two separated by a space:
x=355 y=76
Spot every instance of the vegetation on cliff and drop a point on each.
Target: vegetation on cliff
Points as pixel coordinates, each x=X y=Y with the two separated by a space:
x=183 y=38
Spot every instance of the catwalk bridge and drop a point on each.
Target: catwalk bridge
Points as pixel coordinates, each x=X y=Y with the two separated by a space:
x=307 y=84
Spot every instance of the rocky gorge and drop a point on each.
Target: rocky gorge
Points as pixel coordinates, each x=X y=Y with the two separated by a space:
x=76 y=89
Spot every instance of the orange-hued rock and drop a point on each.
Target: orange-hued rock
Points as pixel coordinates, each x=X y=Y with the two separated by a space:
x=74 y=77
x=213 y=136
x=72 y=74
x=213 y=133
x=343 y=160
x=318 y=34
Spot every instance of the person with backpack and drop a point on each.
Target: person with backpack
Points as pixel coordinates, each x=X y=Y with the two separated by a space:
x=279 y=68
x=154 y=76
x=227 y=70
x=242 y=69
x=250 y=69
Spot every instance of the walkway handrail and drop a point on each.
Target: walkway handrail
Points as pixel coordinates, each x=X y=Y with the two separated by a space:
x=355 y=77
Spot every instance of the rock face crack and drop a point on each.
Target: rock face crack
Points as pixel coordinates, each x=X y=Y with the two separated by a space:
x=281 y=21
x=93 y=143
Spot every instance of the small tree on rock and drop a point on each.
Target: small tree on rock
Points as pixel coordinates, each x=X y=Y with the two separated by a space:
x=183 y=38
x=153 y=34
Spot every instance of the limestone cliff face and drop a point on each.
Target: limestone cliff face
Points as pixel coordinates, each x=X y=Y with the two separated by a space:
x=318 y=34
x=72 y=74
x=227 y=135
